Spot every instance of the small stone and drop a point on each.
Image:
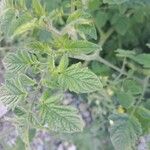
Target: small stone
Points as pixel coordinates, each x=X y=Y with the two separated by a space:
x=72 y=147
x=3 y=110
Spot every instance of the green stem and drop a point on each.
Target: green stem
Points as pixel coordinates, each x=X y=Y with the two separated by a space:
x=105 y=36
x=99 y=59
x=27 y=142
x=123 y=69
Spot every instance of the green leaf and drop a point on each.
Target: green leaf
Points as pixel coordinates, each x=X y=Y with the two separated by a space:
x=19 y=21
x=88 y=30
x=124 y=132
x=49 y=97
x=143 y=59
x=11 y=93
x=100 y=69
x=79 y=47
x=38 y=8
x=61 y=118
x=83 y=23
x=143 y=116
x=19 y=111
x=125 y=99
x=64 y=62
x=122 y=25
x=19 y=145
x=80 y=80
x=133 y=86
x=19 y=61
x=25 y=80
x=125 y=53
x=77 y=15
x=114 y=1
x=143 y=112
x=94 y=4
x=6 y=21
x=101 y=18
x=130 y=2
x=40 y=47
x=25 y=27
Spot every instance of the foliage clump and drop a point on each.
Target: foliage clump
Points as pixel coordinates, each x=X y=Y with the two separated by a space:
x=96 y=49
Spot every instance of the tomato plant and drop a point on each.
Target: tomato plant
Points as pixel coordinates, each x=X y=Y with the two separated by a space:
x=97 y=50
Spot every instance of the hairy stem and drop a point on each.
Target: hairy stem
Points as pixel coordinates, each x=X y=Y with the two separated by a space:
x=99 y=59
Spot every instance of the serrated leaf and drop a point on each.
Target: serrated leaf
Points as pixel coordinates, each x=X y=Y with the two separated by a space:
x=20 y=20
x=114 y=1
x=125 y=99
x=88 y=30
x=100 y=69
x=133 y=86
x=143 y=112
x=50 y=98
x=25 y=27
x=124 y=131
x=64 y=62
x=56 y=15
x=19 y=111
x=76 y=15
x=19 y=61
x=101 y=18
x=79 y=47
x=78 y=79
x=40 y=47
x=143 y=59
x=143 y=116
x=129 y=2
x=124 y=53
x=38 y=8
x=11 y=93
x=62 y=118
x=82 y=22
x=25 y=80
x=6 y=20
x=122 y=25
